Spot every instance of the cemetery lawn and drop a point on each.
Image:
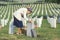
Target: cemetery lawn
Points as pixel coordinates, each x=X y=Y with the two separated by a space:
x=44 y=33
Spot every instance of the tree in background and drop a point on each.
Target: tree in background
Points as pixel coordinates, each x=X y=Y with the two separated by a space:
x=53 y=1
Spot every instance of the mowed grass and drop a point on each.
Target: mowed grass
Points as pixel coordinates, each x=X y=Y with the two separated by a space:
x=44 y=33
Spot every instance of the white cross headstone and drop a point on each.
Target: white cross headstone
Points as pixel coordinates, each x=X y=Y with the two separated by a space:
x=4 y=22
x=52 y=21
x=39 y=21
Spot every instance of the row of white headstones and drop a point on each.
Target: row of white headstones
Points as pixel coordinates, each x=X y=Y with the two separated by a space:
x=5 y=21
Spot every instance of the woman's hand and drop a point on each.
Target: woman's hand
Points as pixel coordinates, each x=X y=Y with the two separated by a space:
x=30 y=21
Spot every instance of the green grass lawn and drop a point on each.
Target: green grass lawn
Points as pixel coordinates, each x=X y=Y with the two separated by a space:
x=44 y=33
